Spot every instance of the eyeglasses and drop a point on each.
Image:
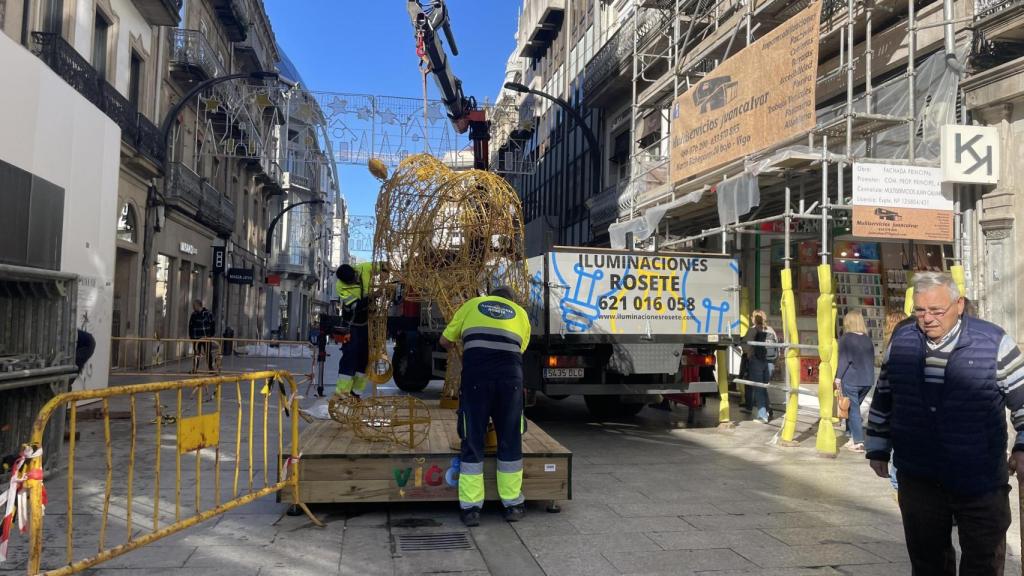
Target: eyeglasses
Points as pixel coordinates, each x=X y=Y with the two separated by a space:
x=933 y=312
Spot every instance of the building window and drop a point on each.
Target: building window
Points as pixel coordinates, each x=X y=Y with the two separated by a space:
x=100 y=33
x=127 y=230
x=53 y=17
x=162 y=296
x=135 y=73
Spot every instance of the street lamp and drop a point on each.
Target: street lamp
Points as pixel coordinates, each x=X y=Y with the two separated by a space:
x=151 y=196
x=165 y=127
x=595 y=155
x=273 y=223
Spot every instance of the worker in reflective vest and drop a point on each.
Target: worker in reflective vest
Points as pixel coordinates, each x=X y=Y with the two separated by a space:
x=353 y=289
x=495 y=332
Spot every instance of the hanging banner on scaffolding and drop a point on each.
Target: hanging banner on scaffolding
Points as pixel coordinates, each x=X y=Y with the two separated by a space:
x=901 y=202
x=761 y=96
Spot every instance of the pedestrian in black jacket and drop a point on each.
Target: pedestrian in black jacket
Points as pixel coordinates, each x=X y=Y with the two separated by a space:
x=200 y=327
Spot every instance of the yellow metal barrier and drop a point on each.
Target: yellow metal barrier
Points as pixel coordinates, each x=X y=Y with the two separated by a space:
x=136 y=356
x=195 y=430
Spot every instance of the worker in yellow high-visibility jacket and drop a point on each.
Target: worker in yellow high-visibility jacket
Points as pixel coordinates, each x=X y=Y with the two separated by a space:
x=494 y=331
x=353 y=289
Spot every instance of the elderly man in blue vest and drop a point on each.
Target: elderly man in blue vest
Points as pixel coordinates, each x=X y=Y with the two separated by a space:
x=940 y=410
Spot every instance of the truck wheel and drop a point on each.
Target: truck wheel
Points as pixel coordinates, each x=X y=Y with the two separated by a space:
x=409 y=375
x=601 y=406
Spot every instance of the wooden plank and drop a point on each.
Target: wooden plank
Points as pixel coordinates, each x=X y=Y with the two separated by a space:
x=437 y=438
x=339 y=467
x=323 y=492
x=382 y=468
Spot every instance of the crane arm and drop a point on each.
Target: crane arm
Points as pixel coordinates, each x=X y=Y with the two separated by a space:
x=430 y=22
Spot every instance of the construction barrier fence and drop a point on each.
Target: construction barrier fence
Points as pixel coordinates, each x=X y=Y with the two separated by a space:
x=219 y=433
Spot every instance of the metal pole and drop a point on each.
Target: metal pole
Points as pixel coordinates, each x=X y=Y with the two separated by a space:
x=868 y=90
x=787 y=219
x=911 y=55
x=849 y=77
x=273 y=223
x=587 y=132
x=824 y=199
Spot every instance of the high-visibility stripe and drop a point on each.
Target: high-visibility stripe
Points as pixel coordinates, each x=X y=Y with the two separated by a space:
x=359 y=382
x=471 y=489
x=344 y=385
x=488 y=331
x=501 y=346
x=510 y=487
x=513 y=466
x=471 y=467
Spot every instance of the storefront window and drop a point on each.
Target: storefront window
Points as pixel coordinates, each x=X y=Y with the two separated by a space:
x=198 y=275
x=126 y=226
x=162 y=296
x=184 y=298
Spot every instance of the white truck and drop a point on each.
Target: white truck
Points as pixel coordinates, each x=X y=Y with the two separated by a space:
x=617 y=327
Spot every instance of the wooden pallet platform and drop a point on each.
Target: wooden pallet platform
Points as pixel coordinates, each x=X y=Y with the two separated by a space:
x=337 y=467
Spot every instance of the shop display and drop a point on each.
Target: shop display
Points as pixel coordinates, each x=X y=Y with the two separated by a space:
x=896 y=288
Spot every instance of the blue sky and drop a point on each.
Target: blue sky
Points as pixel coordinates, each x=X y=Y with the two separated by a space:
x=367 y=47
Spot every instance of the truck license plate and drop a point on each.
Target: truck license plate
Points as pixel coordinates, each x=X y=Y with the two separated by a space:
x=562 y=373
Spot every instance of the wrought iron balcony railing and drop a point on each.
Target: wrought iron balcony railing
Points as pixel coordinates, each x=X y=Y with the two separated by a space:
x=986 y=8
x=184 y=189
x=191 y=50
x=618 y=51
x=150 y=142
x=193 y=196
x=71 y=66
x=136 y=130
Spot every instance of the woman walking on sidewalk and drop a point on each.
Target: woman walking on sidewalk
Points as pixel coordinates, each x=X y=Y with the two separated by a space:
x=759 y=367
x=856 y=373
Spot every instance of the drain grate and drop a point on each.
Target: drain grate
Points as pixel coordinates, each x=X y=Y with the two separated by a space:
x=436 y=541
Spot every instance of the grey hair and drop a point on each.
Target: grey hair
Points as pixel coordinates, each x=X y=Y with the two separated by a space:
x=925 y=281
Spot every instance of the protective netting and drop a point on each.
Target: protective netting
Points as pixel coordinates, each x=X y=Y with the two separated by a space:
x=445 y=237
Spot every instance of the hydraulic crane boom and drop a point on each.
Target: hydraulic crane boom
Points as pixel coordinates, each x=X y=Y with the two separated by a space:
x=430 y=21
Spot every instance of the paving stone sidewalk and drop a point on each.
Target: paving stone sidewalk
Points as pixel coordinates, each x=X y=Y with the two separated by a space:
x=650 y=496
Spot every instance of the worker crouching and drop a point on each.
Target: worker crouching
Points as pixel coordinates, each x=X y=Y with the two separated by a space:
x=494 y=331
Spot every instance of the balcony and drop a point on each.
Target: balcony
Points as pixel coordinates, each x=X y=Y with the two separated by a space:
x=160 y=12
x=301 y=168
x=234 y=15
x=192 y=58
x=1000 y=32
x=607 y=68
x=538 y=26
x=295 y=264
x=192 y=195
x=251 y=54
x=136 y=130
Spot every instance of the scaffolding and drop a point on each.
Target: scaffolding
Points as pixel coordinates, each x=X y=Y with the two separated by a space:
x=806 y=178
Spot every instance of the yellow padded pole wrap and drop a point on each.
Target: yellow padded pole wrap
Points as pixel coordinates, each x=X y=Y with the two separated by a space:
x=744 y=311
x=908 y=303
x=722 y=373
x=957 y=271
x=791 y=335
x=828 y=354
x=744 y=327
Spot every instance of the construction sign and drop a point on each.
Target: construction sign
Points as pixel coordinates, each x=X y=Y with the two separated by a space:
x=901 y=202
x=761 y=96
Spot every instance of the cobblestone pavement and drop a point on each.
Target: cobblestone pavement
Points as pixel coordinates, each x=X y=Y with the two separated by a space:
x=650 y=496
